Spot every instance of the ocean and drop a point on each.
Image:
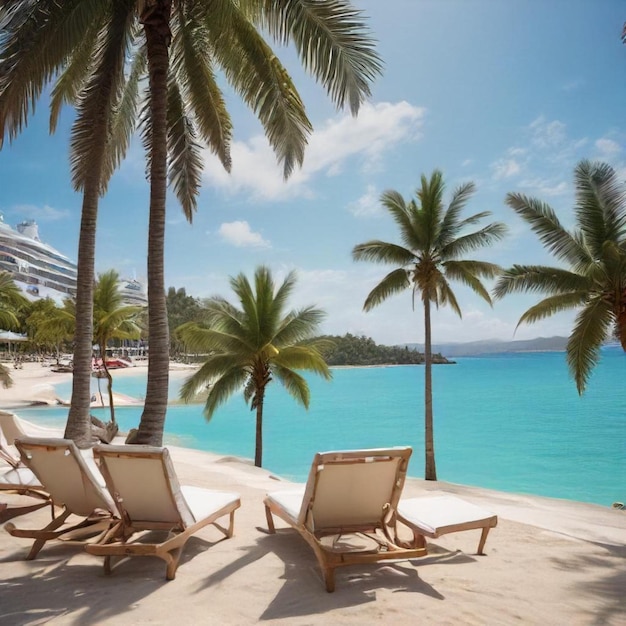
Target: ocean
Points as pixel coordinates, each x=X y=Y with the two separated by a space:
x=511 y=422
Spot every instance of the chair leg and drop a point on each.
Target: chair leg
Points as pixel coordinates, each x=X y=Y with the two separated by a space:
x=39 y=543
x=329 y=578
x=483 y=539
x=172 y=561
x=270 y=520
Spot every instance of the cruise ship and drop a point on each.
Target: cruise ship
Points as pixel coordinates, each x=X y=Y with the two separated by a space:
x=43 y=272
x=37 y=268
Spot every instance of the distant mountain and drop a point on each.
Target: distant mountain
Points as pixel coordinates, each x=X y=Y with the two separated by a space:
x=496 y=346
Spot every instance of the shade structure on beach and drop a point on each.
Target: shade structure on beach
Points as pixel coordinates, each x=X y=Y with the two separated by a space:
x=7 y=336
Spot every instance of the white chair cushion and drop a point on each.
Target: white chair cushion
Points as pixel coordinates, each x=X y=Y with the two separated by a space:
x=289 y=500
x=433 y=514
x=20 y=477
x=205 y=502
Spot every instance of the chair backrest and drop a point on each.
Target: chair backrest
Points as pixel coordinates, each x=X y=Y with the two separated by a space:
x=13 y=428
x=65 y=475
x=10 y=427
x=143 y=482
x=351 y=489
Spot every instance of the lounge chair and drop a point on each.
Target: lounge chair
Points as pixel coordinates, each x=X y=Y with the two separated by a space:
x=13 y=427
x=72 y=484
x=347 y=509
x=147 y=493
x=21 y=481
x=433 y=516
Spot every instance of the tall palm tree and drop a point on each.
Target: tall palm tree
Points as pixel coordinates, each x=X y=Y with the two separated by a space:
x=433 y=241
x=251 y=345
x=594 y=283
x=90 y=40
x=333 y=45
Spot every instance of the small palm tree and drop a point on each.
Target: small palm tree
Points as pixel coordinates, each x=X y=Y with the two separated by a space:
x=112 y=320
x=251 y=345
x=11 y=301
x=595 y=251
x=433 y=242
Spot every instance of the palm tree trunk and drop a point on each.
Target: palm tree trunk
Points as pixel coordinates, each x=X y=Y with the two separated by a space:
x=78 y=427
x=155 y=18
x=429 y=438
x=109 y=381
x=258 y=451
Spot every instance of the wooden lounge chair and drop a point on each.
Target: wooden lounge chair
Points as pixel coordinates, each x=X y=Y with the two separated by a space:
x=21 y=481
x=144 y=485
x=66 y=475
x=433 y=516
x=347 y=509
x=13 y=427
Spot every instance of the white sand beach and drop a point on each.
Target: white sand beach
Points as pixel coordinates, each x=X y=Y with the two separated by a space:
x=548 y=561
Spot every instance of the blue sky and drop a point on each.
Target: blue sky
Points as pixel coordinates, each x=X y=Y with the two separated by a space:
x=510 y=95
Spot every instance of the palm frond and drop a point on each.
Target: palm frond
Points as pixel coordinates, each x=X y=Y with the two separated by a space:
x=296 y=385
x=544 y=222
x=472 y=241
x=383 y=252
x=100 y=96
x=591 y=329
x=468 y=272
x=298 y=326
x=257 y=75
x=395 y=282
x=302 y=357
x=552 y=305
x=450 y=225
x=192 y=65
x=37 y=39
x=540 y=279
x=185 y=162
x=333 y=42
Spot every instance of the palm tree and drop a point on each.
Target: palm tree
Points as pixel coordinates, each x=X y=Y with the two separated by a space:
x=11 y=301
x=595 y=251
x=50 y=325
x=90 y=41
x=251 y=345
x=112 y=320
x=433 y=242
x=333 y=44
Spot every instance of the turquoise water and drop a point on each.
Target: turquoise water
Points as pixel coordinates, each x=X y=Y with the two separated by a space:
x=510 y=422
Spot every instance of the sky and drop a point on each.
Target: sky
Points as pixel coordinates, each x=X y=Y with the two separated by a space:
x=510 y=95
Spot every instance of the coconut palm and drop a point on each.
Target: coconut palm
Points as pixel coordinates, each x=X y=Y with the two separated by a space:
x=250 y=346
x=434 y=239
x=91 y=42
x=50 y=325
x=183 y=102
x=594 y=251
x=333 y=45
x=112 y=320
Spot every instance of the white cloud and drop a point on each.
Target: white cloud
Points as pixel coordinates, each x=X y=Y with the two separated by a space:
x=607 y=147
x=505 y=168
x=545 y=134
x=377 y=129
x=367 y=205
x=42 y=214
x=545 y=187
x=239 y=234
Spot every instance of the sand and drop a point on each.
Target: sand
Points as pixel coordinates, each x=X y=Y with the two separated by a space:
x=548 y=561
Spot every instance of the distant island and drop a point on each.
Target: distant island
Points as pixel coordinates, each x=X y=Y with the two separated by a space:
x=361 y=351
x=496 y=346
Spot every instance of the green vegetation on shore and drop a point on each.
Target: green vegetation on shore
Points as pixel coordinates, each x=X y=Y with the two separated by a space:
x=352 y=350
